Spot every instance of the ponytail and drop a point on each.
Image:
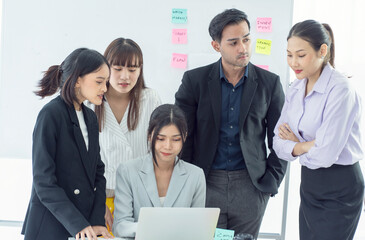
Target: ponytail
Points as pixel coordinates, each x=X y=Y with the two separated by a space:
x=316 y=34
x=50 y=82
x=77 y=64
x=331 y=52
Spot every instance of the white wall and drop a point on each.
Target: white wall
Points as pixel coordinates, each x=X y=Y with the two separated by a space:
x=40 y=33
x=345 y=17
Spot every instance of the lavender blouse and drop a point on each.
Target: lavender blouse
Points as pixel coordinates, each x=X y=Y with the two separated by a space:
x=330 y=114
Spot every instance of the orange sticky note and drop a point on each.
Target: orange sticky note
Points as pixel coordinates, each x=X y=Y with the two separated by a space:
x=264 y=24
x=179 y=36
x=179 y=60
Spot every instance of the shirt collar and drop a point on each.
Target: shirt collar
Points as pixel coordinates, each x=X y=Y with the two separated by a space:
x=322 y=82
x=222 y=76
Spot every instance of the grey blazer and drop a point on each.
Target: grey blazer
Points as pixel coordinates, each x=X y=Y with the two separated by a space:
x=136 y=187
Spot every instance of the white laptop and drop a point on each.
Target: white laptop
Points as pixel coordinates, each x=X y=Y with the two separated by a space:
x=177 y=223
x=101 y=238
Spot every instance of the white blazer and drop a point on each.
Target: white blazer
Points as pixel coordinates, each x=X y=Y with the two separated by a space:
x=136 y=187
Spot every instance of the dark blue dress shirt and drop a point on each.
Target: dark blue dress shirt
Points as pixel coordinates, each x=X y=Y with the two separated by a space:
x=229 y=154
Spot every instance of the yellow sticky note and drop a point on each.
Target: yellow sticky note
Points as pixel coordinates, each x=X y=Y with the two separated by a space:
x=263 y=46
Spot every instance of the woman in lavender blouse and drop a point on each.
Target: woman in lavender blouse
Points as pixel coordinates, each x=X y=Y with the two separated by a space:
x=320 y=124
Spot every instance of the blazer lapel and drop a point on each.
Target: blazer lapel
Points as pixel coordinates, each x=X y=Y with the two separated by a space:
x=215 y=92
x=248 y=92
x=80 y=143
x=93 y=134
x=148 y=179
x=177 y=182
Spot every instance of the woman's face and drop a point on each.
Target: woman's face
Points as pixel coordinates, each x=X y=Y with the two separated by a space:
x=304 y=60
x=92 y=86
x=168 y=144
x=124 y=78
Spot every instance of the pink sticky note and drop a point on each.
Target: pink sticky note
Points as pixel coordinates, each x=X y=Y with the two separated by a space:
x=179 y=60
x=179 y=36
x=263 y=24
x=266 y=67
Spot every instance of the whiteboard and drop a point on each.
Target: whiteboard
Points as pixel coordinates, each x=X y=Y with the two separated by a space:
x=39 y=33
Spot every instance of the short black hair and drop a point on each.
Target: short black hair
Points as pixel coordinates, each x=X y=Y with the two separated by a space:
x=162 y=116
x=227 y=17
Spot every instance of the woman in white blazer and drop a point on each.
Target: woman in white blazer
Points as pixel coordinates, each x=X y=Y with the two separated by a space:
x=158 y=179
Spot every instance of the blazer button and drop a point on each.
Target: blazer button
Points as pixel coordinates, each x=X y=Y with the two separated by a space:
x=76 y=191
x=95 y=189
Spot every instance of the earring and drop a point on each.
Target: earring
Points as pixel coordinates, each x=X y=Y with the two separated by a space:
x=322 y=57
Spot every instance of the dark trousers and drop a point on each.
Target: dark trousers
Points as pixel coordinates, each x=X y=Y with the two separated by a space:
x=331 y=202
x=242 y=205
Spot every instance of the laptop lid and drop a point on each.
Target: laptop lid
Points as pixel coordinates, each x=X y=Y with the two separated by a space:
x=177 y=223
x=101 y=238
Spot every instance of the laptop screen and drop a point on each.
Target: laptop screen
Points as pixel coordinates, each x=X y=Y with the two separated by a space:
x=177 y=223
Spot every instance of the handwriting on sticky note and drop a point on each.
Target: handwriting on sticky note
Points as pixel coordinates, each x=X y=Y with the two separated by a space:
x=266 y=67
x=263 y=46
x=179 y=60
x=179 y=15
x=179 y=36
x=264 y=24
x=223 y=234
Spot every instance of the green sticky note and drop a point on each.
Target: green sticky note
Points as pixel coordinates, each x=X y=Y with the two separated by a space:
x=263 y=46
x=179 y=15
x=223 y=234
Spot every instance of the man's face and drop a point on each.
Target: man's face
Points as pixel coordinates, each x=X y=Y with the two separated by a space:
x=235 y=45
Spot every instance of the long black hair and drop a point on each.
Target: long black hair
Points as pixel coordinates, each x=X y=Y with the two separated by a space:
x=125 y=52
x=166 y=115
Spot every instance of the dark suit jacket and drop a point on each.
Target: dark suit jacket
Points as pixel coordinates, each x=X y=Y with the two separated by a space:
x=68 y=192
x=199 y=96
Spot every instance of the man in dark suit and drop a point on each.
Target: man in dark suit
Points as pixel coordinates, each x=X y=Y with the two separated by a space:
x=231 y=107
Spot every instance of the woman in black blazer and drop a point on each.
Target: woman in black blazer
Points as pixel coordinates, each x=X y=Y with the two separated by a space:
x=68 y=192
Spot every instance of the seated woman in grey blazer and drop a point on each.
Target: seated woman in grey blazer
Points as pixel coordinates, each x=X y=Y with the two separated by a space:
x=159 y=179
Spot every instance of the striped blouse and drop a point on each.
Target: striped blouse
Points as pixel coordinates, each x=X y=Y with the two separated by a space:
x=118 y=144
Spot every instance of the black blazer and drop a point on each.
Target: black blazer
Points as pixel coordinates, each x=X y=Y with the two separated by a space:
x=68 y=192
x=200 y=97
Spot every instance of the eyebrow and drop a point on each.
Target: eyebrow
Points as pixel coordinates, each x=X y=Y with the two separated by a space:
x=234 y=39
x=177 y=135
x=300 y=50
x=129 y=66
x=103 y=78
